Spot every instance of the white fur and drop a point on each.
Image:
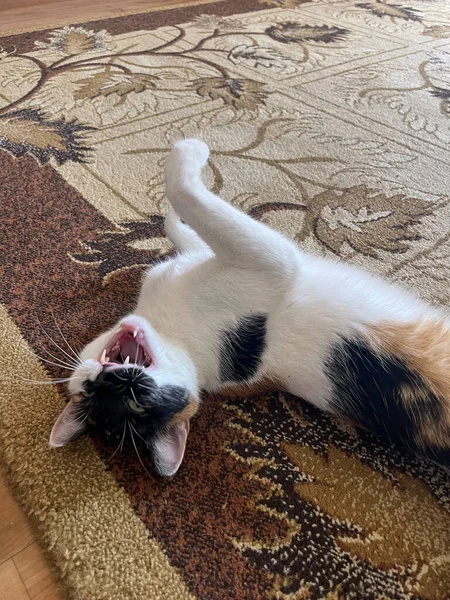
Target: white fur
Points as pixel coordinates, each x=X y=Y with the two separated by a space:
x=230 y=265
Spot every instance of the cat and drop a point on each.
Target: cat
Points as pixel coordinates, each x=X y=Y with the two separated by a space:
x=240 y=308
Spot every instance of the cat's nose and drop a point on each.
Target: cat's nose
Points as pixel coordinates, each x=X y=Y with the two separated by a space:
x=114 y=435
x=114 y=375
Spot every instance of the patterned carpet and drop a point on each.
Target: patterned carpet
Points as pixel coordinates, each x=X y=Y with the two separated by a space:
x=327 y=120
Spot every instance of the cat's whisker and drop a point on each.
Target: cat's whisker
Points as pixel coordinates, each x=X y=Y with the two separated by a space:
x=134 y=398
x=136 y=368
x=52 y=382
x=121 y=442
x=55 y=343
x=144 y=387
x=60 y=365
x=63 y=362
x=119 y=377
x=49 y=362
x=83 y=421
x=123 y=439
x=168 y=372
x=135 y=448
x=138 y=434
x=74 y=352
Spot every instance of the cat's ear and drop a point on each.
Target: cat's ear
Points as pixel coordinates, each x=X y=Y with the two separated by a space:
x=68 y=426
x=169 y=447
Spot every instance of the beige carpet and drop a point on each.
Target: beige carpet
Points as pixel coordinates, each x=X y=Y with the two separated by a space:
x=327 y=120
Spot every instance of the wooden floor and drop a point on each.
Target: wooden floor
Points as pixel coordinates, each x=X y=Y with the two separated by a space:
x=23 y=572
x=28 y=15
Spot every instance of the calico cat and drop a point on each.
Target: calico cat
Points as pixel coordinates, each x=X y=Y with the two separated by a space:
x=241 y=307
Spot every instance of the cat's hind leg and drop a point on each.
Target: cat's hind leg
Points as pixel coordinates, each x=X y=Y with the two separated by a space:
x=181 y=235
x=233 y=236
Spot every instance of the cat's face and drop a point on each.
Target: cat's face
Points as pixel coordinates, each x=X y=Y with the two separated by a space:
x=130 y=385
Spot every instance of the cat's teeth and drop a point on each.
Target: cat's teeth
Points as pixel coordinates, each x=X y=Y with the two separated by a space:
x=135 y=332
x=103 y=357
x=126 y=361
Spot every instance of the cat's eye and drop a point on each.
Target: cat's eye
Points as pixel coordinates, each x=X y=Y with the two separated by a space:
x=135 y=407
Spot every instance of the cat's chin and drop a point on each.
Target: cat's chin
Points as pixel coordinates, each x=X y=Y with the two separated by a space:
x=128 y=346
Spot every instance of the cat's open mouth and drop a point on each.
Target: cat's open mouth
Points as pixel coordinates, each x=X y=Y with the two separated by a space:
x=127 y=346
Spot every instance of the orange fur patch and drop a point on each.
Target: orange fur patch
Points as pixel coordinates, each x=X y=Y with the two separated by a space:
x=412 y=395
x=433 y=433
x=188 y=412
x=425 y=348
x=430 y=432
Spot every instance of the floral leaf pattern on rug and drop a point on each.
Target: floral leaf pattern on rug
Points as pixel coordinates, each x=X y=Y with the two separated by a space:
x=365 y=220
x=438 y=32
x=240 y=93
x=30 y=132
x=76 y=40
x=119 y=82
x=254 y=56
x=394 y=11
x=284 y=3
x=444 y=95
x=127 y=247
x=411 y=99
x=281 y=438
x=116 y=78
x=292 y=32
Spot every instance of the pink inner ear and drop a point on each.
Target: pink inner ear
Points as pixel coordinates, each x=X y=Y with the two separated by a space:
x=66 y=426
x=169 y=448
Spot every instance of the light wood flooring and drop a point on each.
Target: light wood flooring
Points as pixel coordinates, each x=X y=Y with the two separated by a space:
x=23 y=572
x=29 y=15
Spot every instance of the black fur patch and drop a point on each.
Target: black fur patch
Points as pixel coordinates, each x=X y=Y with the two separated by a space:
x=242 y=348
x=109 y=399
x=368 y=389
